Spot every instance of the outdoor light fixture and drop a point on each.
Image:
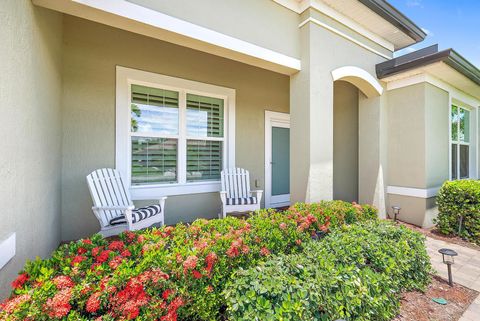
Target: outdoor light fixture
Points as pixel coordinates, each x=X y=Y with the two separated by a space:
x=396 y=212
x=448 y=259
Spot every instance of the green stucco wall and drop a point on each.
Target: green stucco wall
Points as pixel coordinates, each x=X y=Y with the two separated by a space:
x=91 y=52
x=418 y=147
x=260 y=22
x=406 y=132
x=345 y=141
x=30 y=166
x=312 y=114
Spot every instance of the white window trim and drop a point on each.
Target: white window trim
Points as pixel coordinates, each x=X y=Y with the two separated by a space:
x=472 y=150
x=273 y=119
x=127 y=76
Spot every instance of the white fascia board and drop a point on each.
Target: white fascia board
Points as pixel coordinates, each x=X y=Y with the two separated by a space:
x=135 y=18
x=301 y=6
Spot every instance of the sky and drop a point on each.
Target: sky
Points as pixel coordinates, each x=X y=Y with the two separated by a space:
x=450 y=23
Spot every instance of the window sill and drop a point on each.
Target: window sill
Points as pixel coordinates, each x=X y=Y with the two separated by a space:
x=152 y=192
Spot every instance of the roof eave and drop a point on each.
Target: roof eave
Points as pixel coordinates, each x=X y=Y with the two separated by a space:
x=430 y=56
x=396 y=18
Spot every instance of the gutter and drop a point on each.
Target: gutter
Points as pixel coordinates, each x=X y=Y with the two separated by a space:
x=428 y=56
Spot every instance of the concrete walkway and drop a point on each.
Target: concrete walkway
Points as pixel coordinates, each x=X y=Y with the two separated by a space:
x=466 y=271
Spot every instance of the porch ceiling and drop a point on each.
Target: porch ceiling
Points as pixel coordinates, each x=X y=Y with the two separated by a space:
x=134 y=18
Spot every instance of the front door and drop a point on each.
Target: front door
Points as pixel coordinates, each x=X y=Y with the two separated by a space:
x=277 y=159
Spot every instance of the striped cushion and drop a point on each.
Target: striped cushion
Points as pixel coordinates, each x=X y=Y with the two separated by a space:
x=138 y=215
x=242 y=201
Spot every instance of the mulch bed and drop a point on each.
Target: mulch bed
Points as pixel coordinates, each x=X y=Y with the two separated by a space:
x=436 y=234
x=417 y=306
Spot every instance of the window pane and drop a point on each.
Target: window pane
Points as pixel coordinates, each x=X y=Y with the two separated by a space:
x=154 y=110
x=464 y=125
x=154 y=160
x=204 y=160
x=204 y=116
x=464 y=162
x=454 y=161
x=454 y=128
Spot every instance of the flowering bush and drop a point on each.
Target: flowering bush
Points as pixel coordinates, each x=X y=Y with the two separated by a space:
x=355 y=273
x=168 y=273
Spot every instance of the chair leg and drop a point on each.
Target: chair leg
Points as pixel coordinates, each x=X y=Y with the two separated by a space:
x=224 y=212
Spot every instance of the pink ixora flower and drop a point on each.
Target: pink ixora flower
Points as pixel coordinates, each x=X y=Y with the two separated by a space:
x=93 y=303
x=59 y=305
x=264 y=251
x=190 y=263
x=63 y=281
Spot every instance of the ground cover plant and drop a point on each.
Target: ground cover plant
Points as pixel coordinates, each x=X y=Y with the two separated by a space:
x=356 y=273
x=168 y=273
x=459 y=209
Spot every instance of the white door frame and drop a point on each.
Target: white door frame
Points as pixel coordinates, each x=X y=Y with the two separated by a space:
x=273 y=119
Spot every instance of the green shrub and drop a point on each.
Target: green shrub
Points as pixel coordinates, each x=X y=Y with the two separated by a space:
x=355 y=273
x=459 y=209
x=167 y=273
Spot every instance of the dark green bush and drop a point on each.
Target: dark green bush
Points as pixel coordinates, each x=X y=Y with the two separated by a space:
x=356 y=273
x=459 y=209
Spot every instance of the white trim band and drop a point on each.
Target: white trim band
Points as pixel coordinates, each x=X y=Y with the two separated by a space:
x=413 y=192
x=301 y=6
x=344 y=35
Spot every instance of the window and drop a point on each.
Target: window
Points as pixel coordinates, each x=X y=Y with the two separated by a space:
x=179 y=135
x=460 y=142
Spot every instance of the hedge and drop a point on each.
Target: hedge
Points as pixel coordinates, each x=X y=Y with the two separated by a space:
x=168 y=273
x=459 y=209
x=355 y=273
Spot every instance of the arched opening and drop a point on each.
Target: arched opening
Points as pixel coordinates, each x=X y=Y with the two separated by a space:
x=350 y=84
x=361 y=79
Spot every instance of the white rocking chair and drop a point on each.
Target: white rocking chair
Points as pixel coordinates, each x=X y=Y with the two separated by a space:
x=113 y=206
x=236 y=194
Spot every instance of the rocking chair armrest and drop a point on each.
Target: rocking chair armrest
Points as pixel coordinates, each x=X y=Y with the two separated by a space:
x=114 y=208
x=223 y=196
x=258 y=193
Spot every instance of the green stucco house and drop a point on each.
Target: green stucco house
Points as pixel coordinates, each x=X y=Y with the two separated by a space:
x=305 y=94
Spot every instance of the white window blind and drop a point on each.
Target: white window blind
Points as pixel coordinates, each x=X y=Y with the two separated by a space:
x=157 y=136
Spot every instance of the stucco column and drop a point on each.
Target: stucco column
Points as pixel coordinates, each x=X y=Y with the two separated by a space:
x=311 y=128
x=372 y=149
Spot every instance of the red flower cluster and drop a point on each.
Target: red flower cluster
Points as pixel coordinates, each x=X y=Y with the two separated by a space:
x=190 y=263
x=172 y=310
x=59 y=305
x=103 y=257
x=63 y=281
x=116 y=246
x=127 y=302
x=210 y=259
x=93 y=303
x=11 y=305
x=264 y=251
x=306 y=222
x=20 y=281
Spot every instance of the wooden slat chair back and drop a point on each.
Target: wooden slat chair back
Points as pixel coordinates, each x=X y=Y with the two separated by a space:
x=236 y=195
x=113 y=206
